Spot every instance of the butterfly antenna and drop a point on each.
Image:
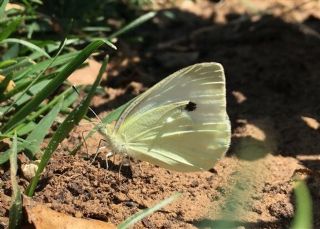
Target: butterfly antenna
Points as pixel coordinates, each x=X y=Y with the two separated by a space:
x=95 y=114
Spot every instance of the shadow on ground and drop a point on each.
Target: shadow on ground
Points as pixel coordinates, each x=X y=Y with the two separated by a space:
x=271 y=66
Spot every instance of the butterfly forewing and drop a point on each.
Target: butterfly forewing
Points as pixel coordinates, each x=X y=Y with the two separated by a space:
x=180 y=123
x=204 y=83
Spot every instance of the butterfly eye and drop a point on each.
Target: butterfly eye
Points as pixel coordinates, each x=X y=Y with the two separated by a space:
x=191 y=106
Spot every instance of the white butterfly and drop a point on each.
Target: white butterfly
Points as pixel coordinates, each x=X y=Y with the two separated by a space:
x=180 y=123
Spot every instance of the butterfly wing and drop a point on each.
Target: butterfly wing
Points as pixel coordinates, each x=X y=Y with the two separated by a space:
x=180 y=123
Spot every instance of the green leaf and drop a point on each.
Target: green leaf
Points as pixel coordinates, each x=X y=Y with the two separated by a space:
x=63 y=130
x=107 y=43
x=11 y=53
x=25 y=128
x=21 y=63
x=96 y=29
x=15 y=213
x=36 y=137
x=51 y=86
x=27 y=67
x=29 y=125
x=70 y=98
x=144 y=213
x=26 y=44
x=10 y=28
x=67 y=101
x=20 y=88
x=303 y=213
x=35 y=80
x=7 y=63
x=3 y=4
x=22 y=97
x=4 y=156
x=133 y=24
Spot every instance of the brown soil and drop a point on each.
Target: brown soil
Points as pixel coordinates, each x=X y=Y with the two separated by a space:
x=270 y=52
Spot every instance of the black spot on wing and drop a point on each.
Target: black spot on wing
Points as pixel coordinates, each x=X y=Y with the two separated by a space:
x=191 y=106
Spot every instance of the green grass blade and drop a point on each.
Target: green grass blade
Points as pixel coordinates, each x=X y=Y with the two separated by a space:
x=15 y=212
x=96 y=29
x=35 y=80
x=63 y=130
x=76 y=149
x=20 y=70
x=36 y=137
x=11 y=52
x=70 y=98
x=51 y=86
x=4 y=84
x=303 y=213
x=144 y=213
x=21 y=63
x=26 y=44
x=25 y=128
x=110 y=44
x=7 y=63
x=22 y=97
x=133 y=24
x=10 y=28
x=4 y=156
x=66 y=102
x=22 y=84
x=3 y=4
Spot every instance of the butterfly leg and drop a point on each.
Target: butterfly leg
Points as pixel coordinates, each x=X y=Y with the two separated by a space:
x=98 y=150
x=107 y=156
x=114 y=159
x=85 y=143
x=119 y=172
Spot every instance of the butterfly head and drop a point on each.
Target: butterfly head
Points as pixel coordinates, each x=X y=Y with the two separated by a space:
x=113 y=141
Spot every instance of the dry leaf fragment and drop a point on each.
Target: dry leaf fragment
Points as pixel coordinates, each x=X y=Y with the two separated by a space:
x=239 y=96
x=10 y=6
x=311 y=122
x=43 y=217
x=10 y=85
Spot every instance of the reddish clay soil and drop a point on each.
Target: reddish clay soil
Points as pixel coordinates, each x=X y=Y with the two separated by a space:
x=271 y=60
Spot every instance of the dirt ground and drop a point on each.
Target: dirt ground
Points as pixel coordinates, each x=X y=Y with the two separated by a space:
x=270 y=52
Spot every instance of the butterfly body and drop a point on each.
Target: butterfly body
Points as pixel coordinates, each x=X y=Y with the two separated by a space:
x=179 y=124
